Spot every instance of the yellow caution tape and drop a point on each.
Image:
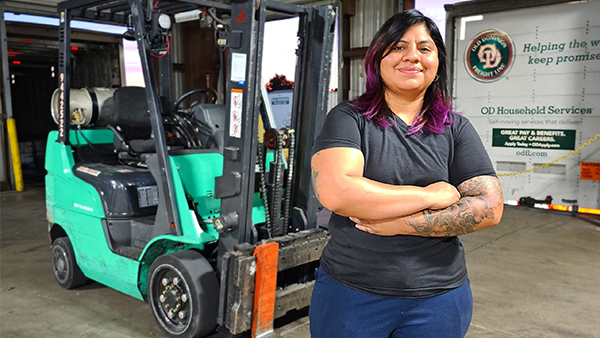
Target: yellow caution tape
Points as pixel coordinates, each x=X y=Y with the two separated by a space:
x=550 y=163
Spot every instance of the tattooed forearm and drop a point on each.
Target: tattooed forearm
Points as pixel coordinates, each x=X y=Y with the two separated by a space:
x=479 y=186
x=314 y=177
x=458 y=219
x=480 y=206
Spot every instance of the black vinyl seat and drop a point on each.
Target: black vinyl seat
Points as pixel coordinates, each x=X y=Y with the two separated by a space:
x=132 y=127
x=133 y=138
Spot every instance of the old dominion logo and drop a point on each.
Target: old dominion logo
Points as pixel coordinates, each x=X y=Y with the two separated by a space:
x=489 y=55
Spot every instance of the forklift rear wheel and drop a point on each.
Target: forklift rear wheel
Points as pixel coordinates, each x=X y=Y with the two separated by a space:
x=67 y=272
x=183 y=293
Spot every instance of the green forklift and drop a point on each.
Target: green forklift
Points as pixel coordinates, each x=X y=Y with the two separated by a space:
x=185 y=206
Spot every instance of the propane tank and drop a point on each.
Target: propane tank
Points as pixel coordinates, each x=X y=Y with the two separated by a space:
x=89 y=106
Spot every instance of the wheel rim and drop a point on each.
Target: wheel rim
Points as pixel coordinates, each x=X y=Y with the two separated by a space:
x=60 y=264
x=171 y=299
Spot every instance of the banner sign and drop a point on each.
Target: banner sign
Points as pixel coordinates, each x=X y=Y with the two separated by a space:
x=534 y=138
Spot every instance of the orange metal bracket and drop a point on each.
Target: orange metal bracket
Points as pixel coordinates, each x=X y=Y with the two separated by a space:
x=267 y=256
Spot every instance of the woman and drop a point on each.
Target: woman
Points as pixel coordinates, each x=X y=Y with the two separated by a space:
x=404 y=176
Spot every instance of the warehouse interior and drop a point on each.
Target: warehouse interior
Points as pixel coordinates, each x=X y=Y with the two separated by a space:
x=533 y=275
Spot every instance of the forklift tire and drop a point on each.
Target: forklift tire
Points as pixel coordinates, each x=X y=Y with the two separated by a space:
x=183 y=292
x=66 y=271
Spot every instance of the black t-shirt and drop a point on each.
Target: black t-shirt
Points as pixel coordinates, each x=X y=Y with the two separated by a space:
x=400 y=266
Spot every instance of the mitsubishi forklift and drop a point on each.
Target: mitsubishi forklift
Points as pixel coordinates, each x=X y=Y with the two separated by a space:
x=188 y=206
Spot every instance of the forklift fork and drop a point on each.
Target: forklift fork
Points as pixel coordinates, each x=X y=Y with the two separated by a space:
x=267 y=255
x=250 y=297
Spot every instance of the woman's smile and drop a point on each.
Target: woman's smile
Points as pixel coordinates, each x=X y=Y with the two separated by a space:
x=410 y=70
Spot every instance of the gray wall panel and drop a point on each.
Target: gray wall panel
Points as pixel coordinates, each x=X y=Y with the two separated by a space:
x=357 y=79
x=370 y=15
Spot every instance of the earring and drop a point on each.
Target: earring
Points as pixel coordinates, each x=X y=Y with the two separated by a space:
x=436 y=78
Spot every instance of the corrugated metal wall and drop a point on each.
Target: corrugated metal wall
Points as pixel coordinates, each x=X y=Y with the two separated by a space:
x=370 y=15
x=178 y=58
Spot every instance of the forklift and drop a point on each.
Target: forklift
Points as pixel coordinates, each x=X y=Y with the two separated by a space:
x=188 y=207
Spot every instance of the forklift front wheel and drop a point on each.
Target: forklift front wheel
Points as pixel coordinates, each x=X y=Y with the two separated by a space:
x=183 y=293
x=67 y=272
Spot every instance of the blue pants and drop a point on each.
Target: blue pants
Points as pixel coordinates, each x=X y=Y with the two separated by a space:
x=337 y=311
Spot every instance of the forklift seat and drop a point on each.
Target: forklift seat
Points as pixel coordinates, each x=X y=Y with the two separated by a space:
x=133 y=139
x=132 y=130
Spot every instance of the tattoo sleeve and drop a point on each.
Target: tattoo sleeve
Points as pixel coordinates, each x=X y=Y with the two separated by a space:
x=479 y=207
x=314 y=177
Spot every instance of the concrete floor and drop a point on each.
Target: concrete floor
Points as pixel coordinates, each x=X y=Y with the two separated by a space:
x=537 y=274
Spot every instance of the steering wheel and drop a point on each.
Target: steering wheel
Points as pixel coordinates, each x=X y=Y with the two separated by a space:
x=181 y=121
x=192 y=92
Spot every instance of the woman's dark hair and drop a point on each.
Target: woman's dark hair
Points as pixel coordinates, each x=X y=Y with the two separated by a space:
x=436 y=110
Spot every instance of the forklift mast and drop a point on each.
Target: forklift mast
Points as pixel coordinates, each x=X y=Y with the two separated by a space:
x=236 y=186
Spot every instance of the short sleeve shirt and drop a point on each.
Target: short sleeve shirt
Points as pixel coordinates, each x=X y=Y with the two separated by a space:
x=400 y=266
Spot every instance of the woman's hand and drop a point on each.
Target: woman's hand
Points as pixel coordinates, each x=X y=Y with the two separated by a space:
x=443 y=195
x=390 y=227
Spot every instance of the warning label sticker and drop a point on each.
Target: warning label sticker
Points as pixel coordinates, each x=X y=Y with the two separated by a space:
x=590 y=171
x=238 y=68
x=235 y=114
x=89 y=171
x=148 y=196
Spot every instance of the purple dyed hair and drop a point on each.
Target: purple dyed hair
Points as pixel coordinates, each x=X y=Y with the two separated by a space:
x=435 y=114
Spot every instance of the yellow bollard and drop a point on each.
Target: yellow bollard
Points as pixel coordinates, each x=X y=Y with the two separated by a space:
x=14 y=152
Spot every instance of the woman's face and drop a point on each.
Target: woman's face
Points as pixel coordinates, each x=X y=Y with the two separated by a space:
x=412 y=64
